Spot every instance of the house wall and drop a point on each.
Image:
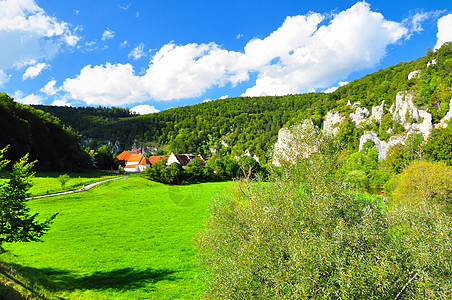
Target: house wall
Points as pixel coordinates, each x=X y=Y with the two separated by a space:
x=172 y=159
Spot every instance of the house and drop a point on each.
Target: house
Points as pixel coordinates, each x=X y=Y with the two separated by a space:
x=124 y=156
x=133 y=161
x=182 y=159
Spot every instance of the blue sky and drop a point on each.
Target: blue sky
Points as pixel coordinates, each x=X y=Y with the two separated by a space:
x=154 y=55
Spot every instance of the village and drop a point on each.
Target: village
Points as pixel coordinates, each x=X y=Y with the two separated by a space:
x=135 y=161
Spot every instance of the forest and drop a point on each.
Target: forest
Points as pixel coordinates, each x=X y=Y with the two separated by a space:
x=47 y=140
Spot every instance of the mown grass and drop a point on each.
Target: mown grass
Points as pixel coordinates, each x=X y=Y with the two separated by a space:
x=126 y=239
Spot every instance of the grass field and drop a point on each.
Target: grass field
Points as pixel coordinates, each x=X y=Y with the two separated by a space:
x=126 y=239
x=44 y=182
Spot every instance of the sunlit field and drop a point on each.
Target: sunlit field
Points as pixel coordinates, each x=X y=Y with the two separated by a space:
x=126 y=239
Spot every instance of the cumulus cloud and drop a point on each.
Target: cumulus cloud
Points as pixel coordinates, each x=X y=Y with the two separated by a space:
x=30 y=99
x=137 y=52
x=34 y=71
x=28 y=33
x=108 y=34
x=444 y=31
x=61 y=102
x=110 y=84
x=144 y=109
x=300 y=56
x=49 y=88
x=354 y=39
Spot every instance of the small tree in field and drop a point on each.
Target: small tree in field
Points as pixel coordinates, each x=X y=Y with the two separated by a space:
x=63 y=179
x=16 y=223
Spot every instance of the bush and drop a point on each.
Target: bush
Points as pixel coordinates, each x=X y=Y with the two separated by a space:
x=424 y=181
x=304 y=235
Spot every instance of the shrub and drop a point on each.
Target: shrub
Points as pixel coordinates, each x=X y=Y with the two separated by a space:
x=424 y=181
x=303 y=234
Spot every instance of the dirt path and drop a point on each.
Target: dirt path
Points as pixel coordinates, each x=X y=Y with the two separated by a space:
x=89 y=186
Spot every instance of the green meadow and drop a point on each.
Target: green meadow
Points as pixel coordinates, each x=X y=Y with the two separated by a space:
x=44 y=182
x=126 y=239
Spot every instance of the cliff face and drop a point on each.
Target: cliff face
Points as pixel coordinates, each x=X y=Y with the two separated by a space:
x=403 y=113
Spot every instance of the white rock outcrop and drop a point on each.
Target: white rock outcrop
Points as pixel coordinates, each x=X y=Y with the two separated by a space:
x=377 y=112
x=332 y=118
x=404 y=109
x=382 y=146
x=431 y=63
x=447 y=117
x=414 y=74
x=359 y=116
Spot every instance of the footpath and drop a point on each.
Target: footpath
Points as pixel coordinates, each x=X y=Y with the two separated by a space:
x=83 y=189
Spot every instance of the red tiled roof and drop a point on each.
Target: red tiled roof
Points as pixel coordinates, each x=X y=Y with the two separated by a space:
x=131 y=166
x=154 y=159
x=125 y=155
x=135 y=158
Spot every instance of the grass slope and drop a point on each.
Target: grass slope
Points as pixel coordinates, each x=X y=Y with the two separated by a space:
x=126 y=239
x=47 y=181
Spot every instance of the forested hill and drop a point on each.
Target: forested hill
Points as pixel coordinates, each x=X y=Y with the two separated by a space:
x=28 y=130
x=252 y=124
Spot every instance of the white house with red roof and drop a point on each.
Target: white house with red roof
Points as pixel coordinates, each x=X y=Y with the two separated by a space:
x=133 y=161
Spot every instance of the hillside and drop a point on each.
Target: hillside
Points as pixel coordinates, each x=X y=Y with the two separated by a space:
x=28 y=130
x=252 y=124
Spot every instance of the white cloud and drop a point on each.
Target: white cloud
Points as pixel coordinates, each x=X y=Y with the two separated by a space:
x=355 y=39
x=61 y=102
x=144 y=109
x=3 y=78
x=137 y=52
x=123 y=44
x=34 y=71
x=49 y=88
x=30 y=99
x=416 y=21
x=334 y=88
x=108 y=34
x=106 y=85
x=444 y=31
x=91 y=46
x=302 y=55
x=125 y=7
x=28 y=33
x=239 y=36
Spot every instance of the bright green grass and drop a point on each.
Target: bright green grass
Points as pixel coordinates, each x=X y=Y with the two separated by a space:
x=44 y=182
x=126 y=239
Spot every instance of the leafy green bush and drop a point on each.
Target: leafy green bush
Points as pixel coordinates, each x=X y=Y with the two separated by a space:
x=303 y=234
x=424 y=181
x=439 y=145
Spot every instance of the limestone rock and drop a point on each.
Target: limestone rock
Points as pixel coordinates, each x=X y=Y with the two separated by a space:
x=414 y=74
x=332 y=118
x=359 y=116
x=382 y=146
x=431 y=63
x=447 y=117
x=377 y=112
